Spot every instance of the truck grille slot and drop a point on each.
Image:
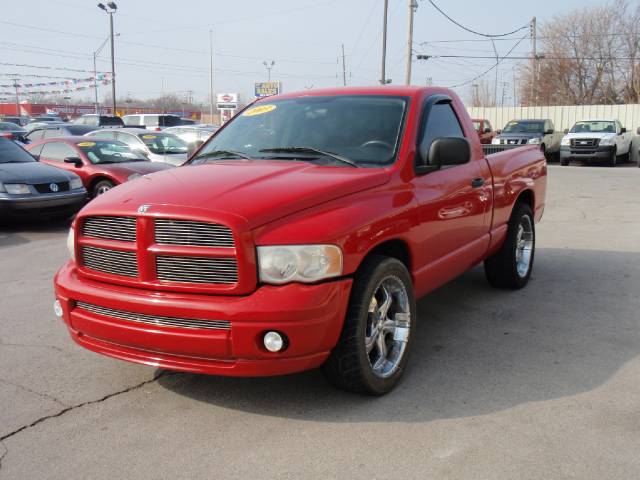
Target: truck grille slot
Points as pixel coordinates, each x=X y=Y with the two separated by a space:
x=585 y=142
x=154 y=319
x=114 y=262
x=199 y=234
x=110 y=228
x=46 y=187
x=197 y=269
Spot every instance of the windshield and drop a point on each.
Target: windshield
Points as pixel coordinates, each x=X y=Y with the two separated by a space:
x=477 y=125
x=105 y=151
x=10 y=127
x=524 y=127
x=12 y=153
x=162 y=143
x=594 y=127
x=361 y=128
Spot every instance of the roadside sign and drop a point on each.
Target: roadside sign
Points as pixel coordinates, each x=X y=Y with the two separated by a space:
x=266 y=89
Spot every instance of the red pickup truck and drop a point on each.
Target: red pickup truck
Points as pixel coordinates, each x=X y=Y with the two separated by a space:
x=484 y=129
x=300 y=235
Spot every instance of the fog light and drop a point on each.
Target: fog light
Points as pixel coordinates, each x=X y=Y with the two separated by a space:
x=273 y=341
x=57 y=308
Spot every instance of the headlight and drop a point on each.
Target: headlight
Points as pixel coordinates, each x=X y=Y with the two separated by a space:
x=299 y=263
x=534 y=141
x=606 y=141
x=133 y=176
x=565 y=141
x=495 y=141
x=17 y=188
x=71 y=244
x=75 y=183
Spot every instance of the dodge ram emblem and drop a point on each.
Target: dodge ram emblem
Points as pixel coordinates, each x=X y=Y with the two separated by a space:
x=143 y=208
x=54 y=187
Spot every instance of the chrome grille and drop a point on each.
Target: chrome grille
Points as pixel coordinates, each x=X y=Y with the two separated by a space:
x=155 y=319
x=199 y=234
x=197 y=269
x=111 y=228
x=110 y=261
x=585 y=142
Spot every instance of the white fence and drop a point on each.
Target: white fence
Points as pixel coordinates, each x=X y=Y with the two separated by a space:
x=562 y=116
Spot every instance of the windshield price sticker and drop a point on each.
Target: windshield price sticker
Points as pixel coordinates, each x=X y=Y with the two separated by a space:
x=149 y=137
x=87 y=144
x=259 y=110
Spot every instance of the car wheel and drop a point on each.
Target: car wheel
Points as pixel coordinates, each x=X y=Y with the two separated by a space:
x=371 y=355
x=101 y=187
x=613 y=158
x=510 y=267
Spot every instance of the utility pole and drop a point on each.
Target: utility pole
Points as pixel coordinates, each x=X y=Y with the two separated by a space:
x=211 y=76
x=504 y=91
x=113 y=61
x=413 y=5
x=344 y=69
x=495 y=85
x=476 y=96
x=514 y=86
x=15 y=85
x=534 y=55
x=383 y=76
x=95 y=84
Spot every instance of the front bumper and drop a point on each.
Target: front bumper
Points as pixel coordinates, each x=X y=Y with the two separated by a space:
x=595 y=153
x=311 y=316
x=52 y=204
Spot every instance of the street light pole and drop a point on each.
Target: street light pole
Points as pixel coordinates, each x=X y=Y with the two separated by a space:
x=413 y=5
x=111 y=8
x=383 y=74
x=269 y=66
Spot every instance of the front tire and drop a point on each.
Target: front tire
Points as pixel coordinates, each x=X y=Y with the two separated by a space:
x=371 y=355
x=101 y=187
x=613 y=158
x=510 y=267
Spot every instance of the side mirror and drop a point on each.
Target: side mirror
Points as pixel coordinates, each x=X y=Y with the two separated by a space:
x=624 y=130
x=487 y=130
x=76 y=161
x=566 y=130
x=548 y=132
x=193 y=146
x=443 y=152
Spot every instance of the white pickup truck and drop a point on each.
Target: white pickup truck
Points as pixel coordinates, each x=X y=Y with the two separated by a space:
x=590 y=140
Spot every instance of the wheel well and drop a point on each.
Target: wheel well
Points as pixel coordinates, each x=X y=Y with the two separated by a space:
x=527 y=198
x=397 y=249
x=96 y=180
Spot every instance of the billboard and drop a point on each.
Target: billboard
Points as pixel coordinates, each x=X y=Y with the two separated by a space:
x=227 y=98
x=266 y=89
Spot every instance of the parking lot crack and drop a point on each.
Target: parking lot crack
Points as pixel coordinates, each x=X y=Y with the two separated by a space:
x=80 y=405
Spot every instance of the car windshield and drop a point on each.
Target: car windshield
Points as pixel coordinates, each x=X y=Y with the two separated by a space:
x=10 y=127
x=105 y=151
x=12 y=153
x=524 y=127
x=476 y=124
x=594 y=127
x=111 y=121
x=162 y=143
x=364 y=129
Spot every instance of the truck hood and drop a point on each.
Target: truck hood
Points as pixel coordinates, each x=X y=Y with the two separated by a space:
x=125 y=169
x=599 y=135
x=259 y=191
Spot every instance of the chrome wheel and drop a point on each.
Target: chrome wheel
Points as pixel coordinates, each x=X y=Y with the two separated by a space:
x=388 y=325
x=524 y=246
x=102 y=189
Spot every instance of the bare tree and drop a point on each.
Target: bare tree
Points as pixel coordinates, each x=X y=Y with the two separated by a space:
x=587 y=56
x=481 y=94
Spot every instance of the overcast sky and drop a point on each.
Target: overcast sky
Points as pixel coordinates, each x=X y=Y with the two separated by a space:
x=164 y=45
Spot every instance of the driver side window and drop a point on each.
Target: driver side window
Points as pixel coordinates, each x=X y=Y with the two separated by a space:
x=441 y=122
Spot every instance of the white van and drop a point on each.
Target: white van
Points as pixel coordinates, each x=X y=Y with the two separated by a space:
x=151 y=121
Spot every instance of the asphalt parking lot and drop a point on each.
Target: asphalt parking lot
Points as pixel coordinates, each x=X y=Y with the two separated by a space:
x=539 y=383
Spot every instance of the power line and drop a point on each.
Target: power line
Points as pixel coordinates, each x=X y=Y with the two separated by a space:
x=491 y=68
x=488 y=35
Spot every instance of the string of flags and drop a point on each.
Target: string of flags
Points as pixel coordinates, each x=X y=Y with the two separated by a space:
x=69 y=81
x=70 y=87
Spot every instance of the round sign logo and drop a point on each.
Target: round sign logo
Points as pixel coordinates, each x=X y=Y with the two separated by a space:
x=226 y=97
x=54 y=187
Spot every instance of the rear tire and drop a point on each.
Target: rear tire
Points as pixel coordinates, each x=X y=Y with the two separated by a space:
x=511 y=266
x=372 y=351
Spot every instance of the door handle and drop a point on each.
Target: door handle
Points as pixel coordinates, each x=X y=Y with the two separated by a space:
x=477 y=182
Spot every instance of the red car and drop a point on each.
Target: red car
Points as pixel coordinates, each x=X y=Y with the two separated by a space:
x=484 y=129
x=101 y=164
x=300 y=235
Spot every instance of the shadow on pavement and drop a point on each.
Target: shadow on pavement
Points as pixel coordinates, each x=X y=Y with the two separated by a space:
x=13 y=231
x=478 y=350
